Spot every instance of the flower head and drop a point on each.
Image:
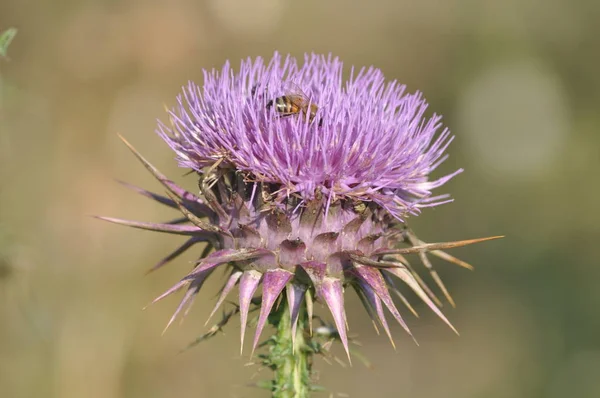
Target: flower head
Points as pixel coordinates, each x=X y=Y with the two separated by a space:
x=372 y=142
x=305 y=182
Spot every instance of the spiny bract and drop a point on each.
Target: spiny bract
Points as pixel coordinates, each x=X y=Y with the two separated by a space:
x=303 y=207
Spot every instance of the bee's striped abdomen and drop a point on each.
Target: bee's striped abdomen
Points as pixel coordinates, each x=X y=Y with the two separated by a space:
x=289 y=105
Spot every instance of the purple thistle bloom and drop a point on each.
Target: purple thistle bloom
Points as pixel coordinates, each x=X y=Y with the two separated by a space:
x=305 y=184
x=372 y=144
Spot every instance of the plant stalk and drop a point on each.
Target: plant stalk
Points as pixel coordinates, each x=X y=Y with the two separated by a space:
x=290 y=360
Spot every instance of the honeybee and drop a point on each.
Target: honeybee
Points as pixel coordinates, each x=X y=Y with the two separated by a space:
x=295 y=103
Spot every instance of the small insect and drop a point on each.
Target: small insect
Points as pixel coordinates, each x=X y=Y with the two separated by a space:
x=295 y=103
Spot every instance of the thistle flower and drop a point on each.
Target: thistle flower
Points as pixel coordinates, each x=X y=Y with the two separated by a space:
x=306 y=182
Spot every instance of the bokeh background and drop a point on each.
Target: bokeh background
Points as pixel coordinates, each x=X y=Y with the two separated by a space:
x=518 y=83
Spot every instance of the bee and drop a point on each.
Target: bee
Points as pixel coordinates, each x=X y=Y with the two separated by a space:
x=295 y=103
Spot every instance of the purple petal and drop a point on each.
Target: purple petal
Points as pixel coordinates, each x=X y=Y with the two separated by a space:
x=193 y=205
x=366 y=304
x=159 y=198
x=311 y=219
x=248 y=284
x=375 y=303
x=170 y=291
x=213 y=202
x=239 y=209
x=332 y=292
x=279 y=225
x=176 y=253
x=226 y=256
x=324 y=244
x=247 y=236
x=233 y=279
x=372 y=277
x=353 y=226
x=398 y=264
x=197 y=221
x=189 y=296
x=273 y=283
x=315 y=270
x=295 y=293
x=394 y=289
x=209 y=263
x=367 y=244
x=401 y=260
x=291 y=253
x=406 y=277
x=170 y=185
x=178 y=220
x=158 y=227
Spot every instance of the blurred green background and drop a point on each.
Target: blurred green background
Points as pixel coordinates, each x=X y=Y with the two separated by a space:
x=518 y=84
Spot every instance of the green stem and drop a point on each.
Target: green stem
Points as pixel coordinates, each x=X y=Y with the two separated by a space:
x=292 y=367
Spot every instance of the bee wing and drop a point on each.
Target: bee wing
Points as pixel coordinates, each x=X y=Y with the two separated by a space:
x=294 y=89
x=291 y=87
x=302 y=100
x=295 y=93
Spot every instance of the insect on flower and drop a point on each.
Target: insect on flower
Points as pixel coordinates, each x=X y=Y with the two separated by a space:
x=295 y=102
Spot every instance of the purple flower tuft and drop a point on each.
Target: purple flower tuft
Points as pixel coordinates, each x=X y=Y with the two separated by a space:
x=372 y=142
